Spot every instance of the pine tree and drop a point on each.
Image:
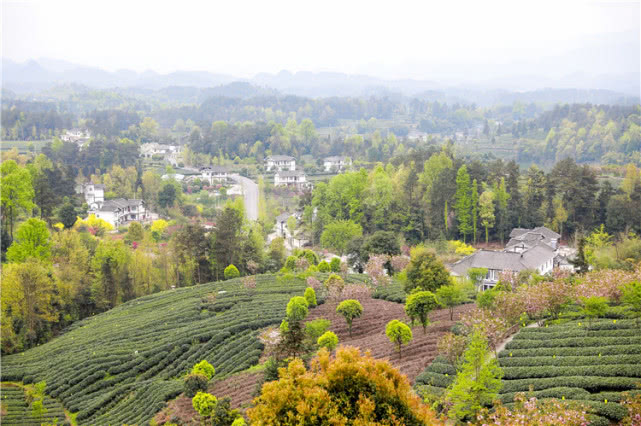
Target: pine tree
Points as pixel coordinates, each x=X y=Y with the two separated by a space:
x=475 y=207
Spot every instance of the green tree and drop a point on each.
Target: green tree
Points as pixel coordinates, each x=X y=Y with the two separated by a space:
x=310 y=296
x=449 y=296
x=335 y=264
x=486 y=203
x=17 y=192
x=419 y=305
x=632 y=298
x=204 y=368
x=323 y=266
x=231 y=272
x=315 y=328
x=328 y=340
x=337 y=234
x=135 y=232
x=32 y=241
x=67 y=215
x=425 y=271
x=167 y=196
x=502 y=198
x=399 y=334
x=594 y=307
x=204 y=404
x=297 y=309
x=475 y=208
x=463 y=202
x=478 y=381
x=350 y=309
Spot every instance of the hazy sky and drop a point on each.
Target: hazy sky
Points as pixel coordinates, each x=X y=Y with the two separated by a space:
x=391 y=38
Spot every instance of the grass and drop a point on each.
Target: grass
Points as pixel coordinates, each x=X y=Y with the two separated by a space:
x=121 y=366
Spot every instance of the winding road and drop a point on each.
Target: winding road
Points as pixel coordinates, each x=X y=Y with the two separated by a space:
x=250 y=193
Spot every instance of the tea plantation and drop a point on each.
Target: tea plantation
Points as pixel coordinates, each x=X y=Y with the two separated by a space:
x=592 y=367
x=121 y=366
x=15 y=409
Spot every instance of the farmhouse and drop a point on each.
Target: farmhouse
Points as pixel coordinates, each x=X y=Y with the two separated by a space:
x=120 y=211
x=280 y=163
x=522 y=239
x=214 y=173
x=94 y=193
x=290 y=178
x=539 y=257
x=78 y=136
x=338 y=163
x=148 y=150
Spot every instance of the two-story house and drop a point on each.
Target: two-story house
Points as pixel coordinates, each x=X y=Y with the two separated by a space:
x=94 y=193
x=290 y=178
x=280 y=163
x=337 y=163
x=522 y=239
x=214 y=173
x=121 y=211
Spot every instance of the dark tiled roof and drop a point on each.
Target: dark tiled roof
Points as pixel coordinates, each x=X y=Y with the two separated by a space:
x=280 y=158
x=119 y=203
x=286 y=173
x=504 y=260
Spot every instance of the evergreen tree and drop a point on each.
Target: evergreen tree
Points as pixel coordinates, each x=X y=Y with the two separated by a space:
x=463 y=202
x=475 y=207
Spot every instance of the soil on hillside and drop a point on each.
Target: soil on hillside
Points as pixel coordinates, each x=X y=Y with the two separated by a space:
x=368 y=334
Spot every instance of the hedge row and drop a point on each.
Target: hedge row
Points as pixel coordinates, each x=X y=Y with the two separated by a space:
x=579 y=332
x=613 y=370
x=573 y=342
x=591 y=384
x=568 y=361
x=562 y=352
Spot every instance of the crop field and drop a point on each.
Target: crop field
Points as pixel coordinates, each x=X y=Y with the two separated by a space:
x=122 y=365
x=15 y=409
x=393 y=292
x=566 y=362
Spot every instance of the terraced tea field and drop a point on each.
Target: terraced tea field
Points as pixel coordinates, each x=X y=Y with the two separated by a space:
x=15 y=409
x=121 y=366
x=566 y=362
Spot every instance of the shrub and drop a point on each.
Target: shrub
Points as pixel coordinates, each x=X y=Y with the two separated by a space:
x=324 y=266
x=314 y=329
x=204 y=368
x=594 y=307
x=310 y=296
x=297 y=309
x=290 y=263
x=328 y=340
x=425 y=271
x=204 y=404
x=195 y=383
x=335 y=265
x=452 y=347
x=350 y=309
x=231 y=272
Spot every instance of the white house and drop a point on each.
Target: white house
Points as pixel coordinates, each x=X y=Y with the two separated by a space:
x=214 y=173
x=290 y=178
x=337 y=163
x=280 y=163
x=94 y=193
x=148 y=150
x=76 y=135
x=539 y=257
x=121 y=211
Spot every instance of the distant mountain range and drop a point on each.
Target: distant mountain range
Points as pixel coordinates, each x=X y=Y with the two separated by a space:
x=35 y=76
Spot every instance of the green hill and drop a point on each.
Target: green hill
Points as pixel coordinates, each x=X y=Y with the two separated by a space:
x=122 y=365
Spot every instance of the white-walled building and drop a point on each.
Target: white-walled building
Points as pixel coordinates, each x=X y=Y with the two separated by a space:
x=94 y=193
x=76 y=135
x=148 y=150
x=280 y=163
x=214 y=173
x=290 y=178
x=121 y=211
x=337 y=163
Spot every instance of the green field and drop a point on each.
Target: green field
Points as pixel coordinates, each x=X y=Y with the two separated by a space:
x=122 y=365
x=23 y=146
x=566 y=362
x=16 y=411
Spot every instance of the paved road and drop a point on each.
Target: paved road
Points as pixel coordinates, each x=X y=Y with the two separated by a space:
x=250 y=192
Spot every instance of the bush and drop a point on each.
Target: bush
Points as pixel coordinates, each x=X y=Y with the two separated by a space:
x=231 y=272
x=204 y=404
x=310 y=296
x=328 y=340
x=324 y=266
x=204 y=368
x=195 y=383
x=314 y=329
x=335 y=265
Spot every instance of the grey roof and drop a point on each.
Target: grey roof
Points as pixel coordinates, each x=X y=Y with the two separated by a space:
x=286 y=173
x=504 y=260
x=118 y=203
x=546 y=232
x=280 y=158
x=283 y=217
x=532 y=237
x=337 y=158
x=219 y=169
x=99 y=186
x=518 y=231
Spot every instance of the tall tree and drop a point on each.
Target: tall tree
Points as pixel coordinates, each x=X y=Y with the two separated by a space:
x=17 y=192
x=463 y=202
x=502 y=197
x=33 y=241
x=475 y=207
x=486 y=203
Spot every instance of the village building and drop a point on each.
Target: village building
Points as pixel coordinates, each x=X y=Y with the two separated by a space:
x=148 y=150
x=337 y=163
x=94 y=193
x=280 y=163
x=79 y=136
x=121 y=211
x=539 y=258
x=522 y=239
x=214 y=173
x=295 y=178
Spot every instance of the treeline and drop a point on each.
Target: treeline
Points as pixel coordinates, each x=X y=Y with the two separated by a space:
x=32 y=120
x=433 y=194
